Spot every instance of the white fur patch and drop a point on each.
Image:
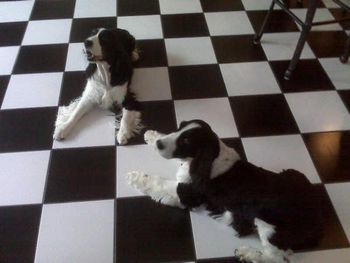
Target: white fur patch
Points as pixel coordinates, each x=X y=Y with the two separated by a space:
x=129 y=126
x=159 y=189
x=225 y=160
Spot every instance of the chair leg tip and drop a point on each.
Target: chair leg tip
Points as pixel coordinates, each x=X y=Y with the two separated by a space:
x=287 y=75
x=343 y=59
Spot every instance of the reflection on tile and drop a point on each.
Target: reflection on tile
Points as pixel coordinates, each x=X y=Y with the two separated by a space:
x=319 y=111
x=333 y=47
x=330 y=152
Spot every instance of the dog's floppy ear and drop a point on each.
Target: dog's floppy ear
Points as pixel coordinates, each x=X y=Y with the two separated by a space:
x=201 y=165
x=121 y=68
x=127 y=40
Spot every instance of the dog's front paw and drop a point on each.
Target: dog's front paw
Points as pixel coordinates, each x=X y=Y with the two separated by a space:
x=61 y=131
x=151 y=137
x=139 y=180
x=248 y=254
x=123 y=136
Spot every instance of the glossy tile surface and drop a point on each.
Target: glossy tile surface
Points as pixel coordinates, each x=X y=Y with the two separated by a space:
x=69 y=201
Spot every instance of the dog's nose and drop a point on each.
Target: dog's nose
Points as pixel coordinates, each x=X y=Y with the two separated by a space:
x=160 y=145
x=88 y=43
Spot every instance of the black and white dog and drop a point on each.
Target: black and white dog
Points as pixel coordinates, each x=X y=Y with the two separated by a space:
x=282 y=208
x=110 y=53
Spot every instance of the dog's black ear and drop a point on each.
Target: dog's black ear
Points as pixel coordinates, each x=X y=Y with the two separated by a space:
x=121 y=69
x=127 y=40
x=201 y=165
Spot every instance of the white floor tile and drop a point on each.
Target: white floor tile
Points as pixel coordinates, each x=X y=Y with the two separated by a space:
x=22 y=177
x=228 y=23
x=96 y=128
x=215 y=239
x=217 y=112
x=332 y=4
x=322 y=14
x=95 y=8
x=8 y=57
x=151 y=84
x=76 y=60
x=12 y=11
x=142 y=27
x=76 y=232
x=338 y=72
x=322 y=256
x=277 y=153
x=179 y=6
x=190 y=51
x=318 y=111
x=33 y=90
x=257 y=5
x=340 y=196
x=249 y=78
x=141 y=158
x=47 y=32
x=281 y=46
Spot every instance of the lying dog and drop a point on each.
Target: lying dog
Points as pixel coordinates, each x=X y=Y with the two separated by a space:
x=282 y=208
x=110 y=53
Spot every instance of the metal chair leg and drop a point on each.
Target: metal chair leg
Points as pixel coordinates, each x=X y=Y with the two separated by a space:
x=258 y=36
x=344 y=58
x=301 y=42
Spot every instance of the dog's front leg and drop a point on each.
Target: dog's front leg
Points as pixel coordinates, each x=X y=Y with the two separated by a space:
x=130 y=125
x=159 y=189
x=63 y=128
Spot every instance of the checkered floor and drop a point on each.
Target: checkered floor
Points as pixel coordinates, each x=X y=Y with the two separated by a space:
x=68 y=201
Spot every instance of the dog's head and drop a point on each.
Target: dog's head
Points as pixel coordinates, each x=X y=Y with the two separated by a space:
x=191 y=138
x=105 y=44
x=114 y=46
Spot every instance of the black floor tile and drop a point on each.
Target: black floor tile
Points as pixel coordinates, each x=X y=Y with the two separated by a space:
x=81 y=174
x=165 y=231
x=345 y=95
x=195 y=82
x=333 y=236
x=11 y=34
x=156 y=115
x=241 y=48
x=221 y=5
x=184 y=25
x=18 y=233
x=26 y=129
x=4 y=81
x=263 y=115
x=220 y=260
x=152 y=53
x=301 y=4
x=330 y=152
x=53 y=9
x=309 y=75
x=73 y=85
x=137 y=7
x=339 y=14
x=333 y=47
x=236 y=143
x=82 y=27
x=280 y=21
x=41 y=58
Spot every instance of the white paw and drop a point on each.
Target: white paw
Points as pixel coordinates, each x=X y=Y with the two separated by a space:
x=248 y=254
x=61 y=131
x=123 y=136
x=151 y=137
x=139 y=180
x=135 y=55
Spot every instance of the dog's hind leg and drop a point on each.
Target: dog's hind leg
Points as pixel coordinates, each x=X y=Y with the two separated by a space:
x=270 y=253
x=159 y=189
